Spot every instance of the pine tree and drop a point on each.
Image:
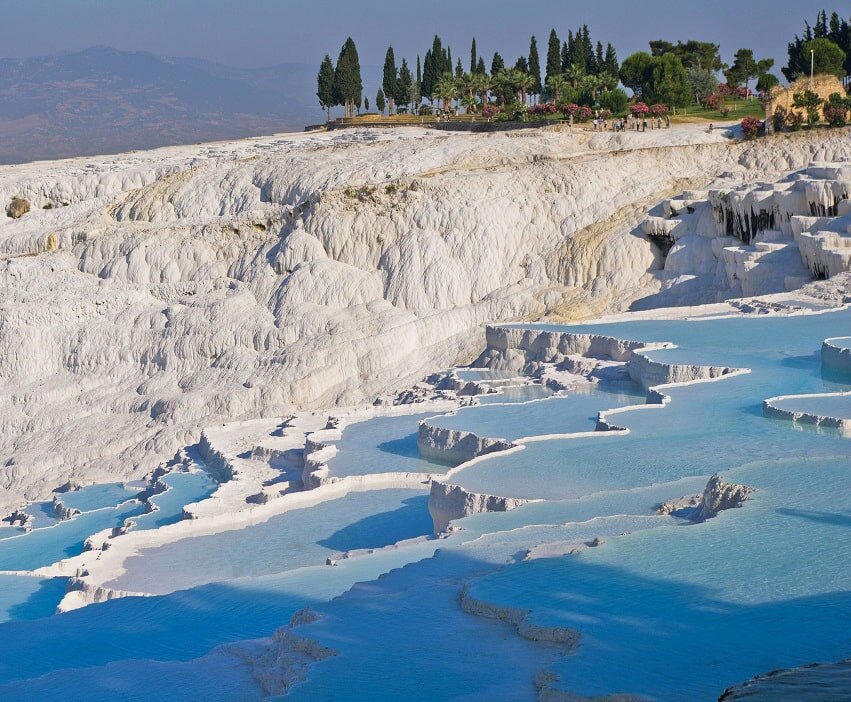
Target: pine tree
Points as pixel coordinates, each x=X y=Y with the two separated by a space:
x=535 y=66
x=599 y=59
x=474 y=61
x=388 y=84
x=587 y=49
x=610 y=62
x=566 y=51
x=497 y=64
x=325 y=85
x=459 y=69
x=553 y=55
x=481 y=69
x=521 y=65
x=348 y=86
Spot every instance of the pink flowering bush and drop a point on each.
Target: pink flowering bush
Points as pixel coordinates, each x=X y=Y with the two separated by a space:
x=489 y=111
x=583 y=114
x=743 y=93
x=724 y=89
x=543 y=108
x=569 y=109
x=750 y=127
x=658 y=110
x=639 y=109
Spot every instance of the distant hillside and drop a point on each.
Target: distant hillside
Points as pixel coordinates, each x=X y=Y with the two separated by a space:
x=102 y=100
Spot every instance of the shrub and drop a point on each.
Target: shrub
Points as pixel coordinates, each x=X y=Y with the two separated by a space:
x=836 y=110
x=658 y=110
x=795 y=120
x=584 y=113
x=750 y=127
x=426 y=110
x=569 y=109
x=724 y=89
x=615 y=101
x=519 y=111
x=809 y=101
x=543 y=108
x=490 y=111
x=639 y=109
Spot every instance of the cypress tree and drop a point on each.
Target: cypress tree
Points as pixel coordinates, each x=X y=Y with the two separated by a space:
x=497 y=64
x=325 y=85
x=481 y=68
x=388 y=85
x=473 y=58
x=447 y=67
x=379 y=101
x=404 y=84
x=459 y=69
x=567 y=51
x=553 y=55
x=587 y=49
x=348 y=86
x=522 y=65
x=427 y=84
x=535 y=66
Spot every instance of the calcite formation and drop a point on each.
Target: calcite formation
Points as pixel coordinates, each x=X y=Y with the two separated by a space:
x=166 y=291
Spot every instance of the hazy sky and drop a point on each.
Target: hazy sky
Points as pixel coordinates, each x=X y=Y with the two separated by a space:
x=252 y=33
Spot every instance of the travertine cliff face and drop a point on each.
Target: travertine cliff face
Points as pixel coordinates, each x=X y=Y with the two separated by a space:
x=168 y=290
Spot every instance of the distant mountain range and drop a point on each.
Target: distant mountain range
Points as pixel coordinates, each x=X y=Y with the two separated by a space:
x=102 y=100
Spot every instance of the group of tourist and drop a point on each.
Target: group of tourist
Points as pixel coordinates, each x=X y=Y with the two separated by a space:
x=631 y=123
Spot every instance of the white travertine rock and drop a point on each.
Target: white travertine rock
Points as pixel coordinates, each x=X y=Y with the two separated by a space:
x=170 y=290
x=449 y=502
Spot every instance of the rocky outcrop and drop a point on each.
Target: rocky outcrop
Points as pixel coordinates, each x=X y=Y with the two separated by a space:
x=649 y=373
x=718 y=496
x=18 y=207
x=449 y=502
x=519 y=619
x=61 y=511
x=836 y=354
x=453 y=446
x=285 y=660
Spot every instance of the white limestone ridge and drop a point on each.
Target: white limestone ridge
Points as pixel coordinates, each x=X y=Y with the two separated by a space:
x=150 y=294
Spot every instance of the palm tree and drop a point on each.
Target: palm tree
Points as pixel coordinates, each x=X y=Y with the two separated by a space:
x=480 y=84
x=574 y=74
x=608 y=81
x=556 y=85
x=591 y=84
x=525 y=82
x=445 y=89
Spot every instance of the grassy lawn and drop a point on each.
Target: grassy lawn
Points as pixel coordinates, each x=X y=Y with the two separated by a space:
x=738 y=110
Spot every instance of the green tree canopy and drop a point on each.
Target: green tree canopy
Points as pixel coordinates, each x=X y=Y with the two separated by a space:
x=693 y=53
x=553 y=55
x=404 y=84
x=745 y=67
x=388 y=84
x=348 y=86
x=669 y=82
x=766 y=82
x=380 y=102
x=636 y=72
x=535 y=66
x=497 y=64
x=702 y=82
x=827 y=57
x=325 y=85
x=836 y=30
